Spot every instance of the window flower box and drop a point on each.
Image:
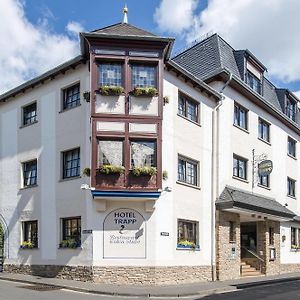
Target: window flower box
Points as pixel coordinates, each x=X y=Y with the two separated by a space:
x=111 y=169
x=144 y=171
x=295 y=247
x=27 y=245
x=71 y=243
x=144 y=92
x=187 y=245
x=107 y=90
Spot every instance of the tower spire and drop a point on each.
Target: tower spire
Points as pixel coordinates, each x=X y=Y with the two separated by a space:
x=125 y=11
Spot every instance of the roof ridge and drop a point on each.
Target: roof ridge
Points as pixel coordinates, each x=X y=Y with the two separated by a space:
x=106 y=27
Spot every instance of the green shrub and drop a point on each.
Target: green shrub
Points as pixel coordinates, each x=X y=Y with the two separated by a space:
x=70 y=243
x=87 y=172
x=148 y=171
x=111 y=90
x=111 y=169
x=148 y=92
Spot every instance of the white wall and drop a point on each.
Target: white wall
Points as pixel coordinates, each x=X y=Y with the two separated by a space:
x=52 y=198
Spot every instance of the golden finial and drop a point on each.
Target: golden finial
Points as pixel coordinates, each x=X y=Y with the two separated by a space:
x=125 y=11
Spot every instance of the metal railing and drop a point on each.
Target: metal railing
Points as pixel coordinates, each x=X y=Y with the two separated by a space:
x=256 y=256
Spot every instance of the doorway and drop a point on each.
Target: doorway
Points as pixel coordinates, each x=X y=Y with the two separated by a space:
x=248 y=238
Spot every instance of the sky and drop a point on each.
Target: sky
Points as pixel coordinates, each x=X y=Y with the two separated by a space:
x=37 y=35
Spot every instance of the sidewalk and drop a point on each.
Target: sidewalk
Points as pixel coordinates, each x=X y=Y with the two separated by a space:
x=180 y=290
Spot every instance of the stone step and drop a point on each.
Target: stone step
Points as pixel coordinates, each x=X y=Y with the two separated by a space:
x=252 y=274
x=248 y=268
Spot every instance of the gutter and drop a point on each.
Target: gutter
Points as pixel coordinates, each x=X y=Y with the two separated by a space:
x=215 y=173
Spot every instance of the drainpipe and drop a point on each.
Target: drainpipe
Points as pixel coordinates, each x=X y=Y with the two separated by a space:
x=215 y=172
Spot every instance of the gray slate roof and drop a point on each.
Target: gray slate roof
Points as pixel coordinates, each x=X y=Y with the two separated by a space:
x=212 y=55
x=235 y=198
x=123 y=29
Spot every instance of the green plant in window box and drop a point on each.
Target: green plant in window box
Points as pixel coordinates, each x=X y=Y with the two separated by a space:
x=144 y=92
x=111 y=90
x=144 y=171
x=111 y=169
x=27 y=245
x=295 y=247
x=70 y=243
x=86 y=172
x=186 y=245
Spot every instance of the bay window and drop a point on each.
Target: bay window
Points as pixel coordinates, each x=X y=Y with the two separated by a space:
x=143 y=76
x=143 y=153
x=110 y=152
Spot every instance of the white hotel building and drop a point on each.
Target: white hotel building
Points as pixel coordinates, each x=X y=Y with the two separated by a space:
x=104 y=179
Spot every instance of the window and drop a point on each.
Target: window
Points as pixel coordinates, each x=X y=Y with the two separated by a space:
x=295 y=237
x=263 y=130
x=71 y=163
x=110 y=74
x=264 y=180
x=187 y=171
x=253 y=82
x=71 y=96
x=291 y=186
x=71 y=229
x=30 y=173
x=240 y=116
x=291 y=109
x=143 y=76
x=239 y=167
x=29 y=114
x=30 y=232
x=143 y=153
x=232 y=232
x=291 y=147
x=110 y=153
x=271 y=236
x=187 y=233
x=187 y=107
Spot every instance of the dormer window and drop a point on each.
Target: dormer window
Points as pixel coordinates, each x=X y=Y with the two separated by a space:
x=254 y=78
x=291 y=109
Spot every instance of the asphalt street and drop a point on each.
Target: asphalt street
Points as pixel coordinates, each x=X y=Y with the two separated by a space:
x=19 y=291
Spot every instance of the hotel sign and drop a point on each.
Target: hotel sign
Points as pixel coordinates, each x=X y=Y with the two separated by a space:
x=265 y=167
x=124 y=234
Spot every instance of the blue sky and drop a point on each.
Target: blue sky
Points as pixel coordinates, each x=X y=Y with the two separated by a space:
x=44 y=33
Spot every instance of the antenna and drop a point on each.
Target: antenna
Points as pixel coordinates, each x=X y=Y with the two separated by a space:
x=193 y=43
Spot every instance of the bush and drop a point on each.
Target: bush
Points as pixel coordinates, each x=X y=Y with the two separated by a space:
x=26 y=245
x=107 y=90
x=86 y=172
x=71 y=243
x=148 y=171
x=110 y=169
x=148 y=92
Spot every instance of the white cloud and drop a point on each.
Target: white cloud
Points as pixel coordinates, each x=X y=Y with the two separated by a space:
x=28 y=50
x=74 y=28
x=268 y=28
x=175 y=15
x=297 y=93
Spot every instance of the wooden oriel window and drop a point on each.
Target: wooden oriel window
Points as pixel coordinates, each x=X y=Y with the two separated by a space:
x=110 y=74
x=143 y=76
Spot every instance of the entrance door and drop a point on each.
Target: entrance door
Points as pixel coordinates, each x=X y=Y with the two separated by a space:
x=248 y=237
x=1 y=247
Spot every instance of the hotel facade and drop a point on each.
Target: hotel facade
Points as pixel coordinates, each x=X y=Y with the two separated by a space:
x=124 y=165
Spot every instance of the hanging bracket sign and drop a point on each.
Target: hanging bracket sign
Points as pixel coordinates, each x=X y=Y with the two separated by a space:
x=265 y=168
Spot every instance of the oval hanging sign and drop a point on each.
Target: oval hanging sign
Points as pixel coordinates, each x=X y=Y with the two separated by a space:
x=265 y=168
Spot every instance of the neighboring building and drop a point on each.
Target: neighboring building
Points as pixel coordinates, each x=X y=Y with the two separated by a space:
x=125 y=166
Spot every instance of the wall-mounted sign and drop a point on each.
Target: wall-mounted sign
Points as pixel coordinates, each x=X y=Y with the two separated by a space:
x=124 y=234
x=265 y=167
x=87 y=231
x=164 y=234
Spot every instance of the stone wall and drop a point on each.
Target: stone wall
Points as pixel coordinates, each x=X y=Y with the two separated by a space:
x=80 y=273
x=152 y=275
x=289 y=268
x=118 y=275
x=228 y=265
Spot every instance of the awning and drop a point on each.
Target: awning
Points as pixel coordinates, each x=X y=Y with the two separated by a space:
x=233 y=199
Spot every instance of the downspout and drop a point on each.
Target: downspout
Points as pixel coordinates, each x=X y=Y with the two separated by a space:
x=215 y=173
